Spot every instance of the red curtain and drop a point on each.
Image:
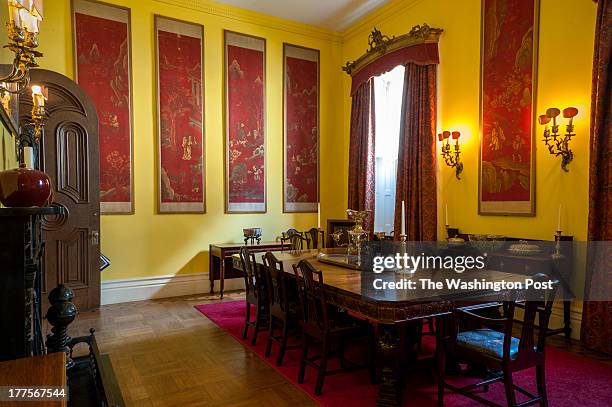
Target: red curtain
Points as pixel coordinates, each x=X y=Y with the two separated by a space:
x=421 y=54
x=596 y=332
x=416 y=164
x=362 y=158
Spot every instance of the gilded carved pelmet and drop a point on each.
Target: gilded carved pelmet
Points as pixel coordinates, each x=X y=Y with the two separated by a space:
x=420 y=43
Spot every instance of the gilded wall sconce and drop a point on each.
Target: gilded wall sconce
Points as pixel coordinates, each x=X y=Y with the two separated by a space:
x=451 y=156
x=558 y=145
x=23 y=25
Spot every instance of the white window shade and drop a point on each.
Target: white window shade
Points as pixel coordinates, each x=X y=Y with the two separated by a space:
x=388 y=89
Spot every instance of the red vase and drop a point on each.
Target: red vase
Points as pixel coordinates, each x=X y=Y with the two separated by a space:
x=24 y=187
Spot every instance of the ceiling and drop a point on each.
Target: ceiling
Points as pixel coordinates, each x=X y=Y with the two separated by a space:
x=335 y=15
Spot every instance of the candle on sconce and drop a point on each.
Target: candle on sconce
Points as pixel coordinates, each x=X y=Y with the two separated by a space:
x=559 y=218
x=570 y=113
x=544 y=120
x=38 y=98
x=552 y=113
x=14 y=18
x=403 y=230
x=456 y=135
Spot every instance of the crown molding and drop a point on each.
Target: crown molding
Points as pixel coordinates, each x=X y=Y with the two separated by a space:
x=376 y=17
x=350 y=15
x=253 y=17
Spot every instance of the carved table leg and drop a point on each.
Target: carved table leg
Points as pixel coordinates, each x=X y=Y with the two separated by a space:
x=211 y=271
x=222 y=276
x=389 y=393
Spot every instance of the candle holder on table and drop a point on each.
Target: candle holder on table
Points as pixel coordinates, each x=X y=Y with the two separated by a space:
x=357 y=234
x=557 y=254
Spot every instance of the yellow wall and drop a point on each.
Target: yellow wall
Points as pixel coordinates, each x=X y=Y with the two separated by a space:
x=564 y=79
x=147 y=244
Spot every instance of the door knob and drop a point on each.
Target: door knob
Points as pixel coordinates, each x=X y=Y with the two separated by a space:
x=95 y=237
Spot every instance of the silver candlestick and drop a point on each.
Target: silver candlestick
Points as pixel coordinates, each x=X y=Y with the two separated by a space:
x=557 y=254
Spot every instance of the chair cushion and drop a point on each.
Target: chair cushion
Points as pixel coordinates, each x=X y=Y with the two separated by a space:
x=487 y=341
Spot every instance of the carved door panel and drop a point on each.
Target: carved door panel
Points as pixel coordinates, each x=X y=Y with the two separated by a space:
x=70 y=156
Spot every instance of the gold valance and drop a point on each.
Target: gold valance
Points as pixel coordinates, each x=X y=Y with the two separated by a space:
x=419 y=46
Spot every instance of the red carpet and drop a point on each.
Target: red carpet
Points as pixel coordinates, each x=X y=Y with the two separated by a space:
x=571 y=379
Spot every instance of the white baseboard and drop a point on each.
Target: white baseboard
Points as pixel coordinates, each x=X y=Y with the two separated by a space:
x=146 y=288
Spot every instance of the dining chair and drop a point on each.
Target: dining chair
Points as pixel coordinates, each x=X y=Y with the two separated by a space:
x=497 y=349
x=256 y=294
x=286 y=236
x=299 y=242
x=315 y=235
x=283 y=309
x=322 y=324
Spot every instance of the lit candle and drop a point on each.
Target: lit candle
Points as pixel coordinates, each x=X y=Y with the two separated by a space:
x=26 y=19
x=552 y=113
x=559 y=218
x=14 y=14
x=403 y=218
x=446 y=214
x=38 y=99
x=319 y=215
x=570 y=113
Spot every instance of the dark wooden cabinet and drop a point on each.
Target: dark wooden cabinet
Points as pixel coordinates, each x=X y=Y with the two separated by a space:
x=21 y=251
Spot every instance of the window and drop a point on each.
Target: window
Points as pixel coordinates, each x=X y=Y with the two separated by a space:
x=388 y=89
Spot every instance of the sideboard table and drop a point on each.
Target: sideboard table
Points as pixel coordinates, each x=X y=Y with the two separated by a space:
x=220 y=263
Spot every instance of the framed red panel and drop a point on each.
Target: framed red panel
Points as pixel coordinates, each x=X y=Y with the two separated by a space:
x=102 y=53
x=507 y=107
x=245 y=112
x=301 y=129
x=180 y=116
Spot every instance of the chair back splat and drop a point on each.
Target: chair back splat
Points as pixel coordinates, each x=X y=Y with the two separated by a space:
x=315 y=236
x=278 y=291
x=256 y=294
x=312 y=296
x=540 y=308
x=248 y=265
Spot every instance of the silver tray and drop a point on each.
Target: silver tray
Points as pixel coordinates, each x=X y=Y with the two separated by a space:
x=341 y=260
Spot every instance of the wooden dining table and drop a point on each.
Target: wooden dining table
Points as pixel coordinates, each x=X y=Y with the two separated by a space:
x=390 y=309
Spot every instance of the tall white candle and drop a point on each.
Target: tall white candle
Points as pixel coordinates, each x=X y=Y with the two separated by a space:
x=559 y=218
x=28 y=157
x=319 y=215
x=403 y=218
x=446 y=214
x=14 y=15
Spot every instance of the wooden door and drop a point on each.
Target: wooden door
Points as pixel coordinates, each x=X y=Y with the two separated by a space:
x=70 y=156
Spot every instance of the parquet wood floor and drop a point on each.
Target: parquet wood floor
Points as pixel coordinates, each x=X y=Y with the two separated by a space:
x=165 y=353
